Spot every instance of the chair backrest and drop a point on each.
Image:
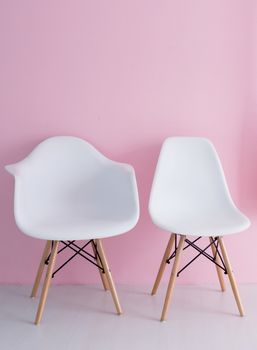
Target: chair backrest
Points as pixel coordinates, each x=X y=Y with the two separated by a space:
x=65 y=173
x=188 y=178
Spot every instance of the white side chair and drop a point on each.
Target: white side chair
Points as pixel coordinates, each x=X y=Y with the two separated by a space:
x=190 y=197
x=65 y=191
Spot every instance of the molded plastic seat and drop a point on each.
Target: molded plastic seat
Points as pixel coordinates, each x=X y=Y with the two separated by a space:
x=66 y=190
x=189 y=192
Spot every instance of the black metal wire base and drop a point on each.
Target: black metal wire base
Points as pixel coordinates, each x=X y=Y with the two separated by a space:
x=93 y=257
x=214 y=242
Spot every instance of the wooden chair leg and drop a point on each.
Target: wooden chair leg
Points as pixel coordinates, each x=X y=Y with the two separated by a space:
x=40 y=269
x=46 y=283
x=219 y=270
x=109 y=276
x=231 y=277
x=102 y=275
x=173 y=276
x=163 y=264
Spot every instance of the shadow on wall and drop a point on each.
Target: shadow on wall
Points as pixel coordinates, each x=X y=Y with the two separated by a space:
x=135 y=247
x=248 y=165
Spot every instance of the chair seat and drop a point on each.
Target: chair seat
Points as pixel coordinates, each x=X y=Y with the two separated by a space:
x=213 y=223
x=72 y=228
x=189 y=194
x=67 y=190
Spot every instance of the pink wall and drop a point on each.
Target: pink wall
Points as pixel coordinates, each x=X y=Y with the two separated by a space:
x=124 y=75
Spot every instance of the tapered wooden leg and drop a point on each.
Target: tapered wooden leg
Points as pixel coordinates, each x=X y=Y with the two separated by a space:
x=231 y=277
x=109 y=276
x=163 y=263
x=173 y=276
x=219 y=270
x=40 y=269
x=46 y=282
x=102 y=275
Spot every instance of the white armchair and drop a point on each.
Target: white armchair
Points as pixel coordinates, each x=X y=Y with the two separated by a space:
x=66 y=190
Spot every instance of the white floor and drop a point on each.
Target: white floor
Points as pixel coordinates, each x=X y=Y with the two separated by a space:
x=83 y=317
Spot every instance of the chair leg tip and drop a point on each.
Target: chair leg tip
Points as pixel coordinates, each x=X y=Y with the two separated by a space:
x=38 y=319
x=163 y=317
